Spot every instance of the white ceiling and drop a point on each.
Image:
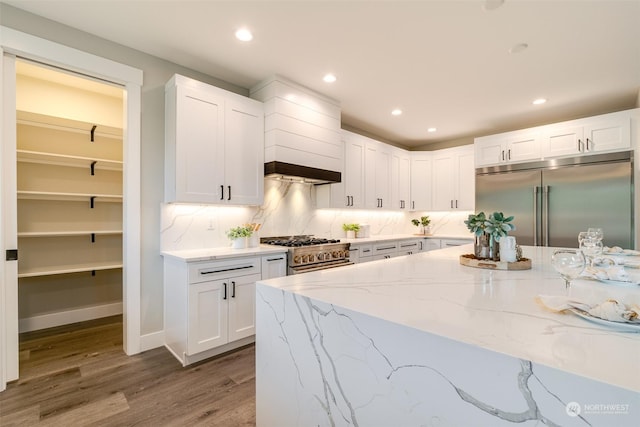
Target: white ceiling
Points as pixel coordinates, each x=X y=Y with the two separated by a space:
x=446 y=64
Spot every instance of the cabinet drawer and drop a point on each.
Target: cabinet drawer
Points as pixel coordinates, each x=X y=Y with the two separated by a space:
x=208 y=270
x=410 y=246
x=364 y=251
x=386 y=248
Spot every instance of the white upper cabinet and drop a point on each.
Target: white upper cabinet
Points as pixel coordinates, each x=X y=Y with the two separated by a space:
x=214 y=145
x=377 y=172
x=421 y=171
x=349 y=193
x=609 y=132
x=400 y=179
x=454 y=179
x=605 y=133
x=510 y=147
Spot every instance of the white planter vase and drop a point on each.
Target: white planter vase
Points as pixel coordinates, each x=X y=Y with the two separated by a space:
x=253 y=241
x=351 y=234
x=239 y=243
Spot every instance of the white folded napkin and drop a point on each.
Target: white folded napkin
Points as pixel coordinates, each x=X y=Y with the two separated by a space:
x=616 y=272
x=610 y=309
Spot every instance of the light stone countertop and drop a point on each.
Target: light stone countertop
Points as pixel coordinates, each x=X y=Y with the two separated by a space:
x=210 y=254
x=385 y=238
x=491 y=309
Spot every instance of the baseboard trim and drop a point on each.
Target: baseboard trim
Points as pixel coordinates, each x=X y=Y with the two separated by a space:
x=151 y=341
x=60 y=318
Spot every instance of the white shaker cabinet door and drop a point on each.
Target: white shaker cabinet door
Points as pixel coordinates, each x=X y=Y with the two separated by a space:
x=354 y=171
x=274 y=266
x=244 y=152
x=443 y=182
x=465 y=180
x=199 y=151
x=208 y=315
x=611 y=132
x=242 y=306
x=421 y=181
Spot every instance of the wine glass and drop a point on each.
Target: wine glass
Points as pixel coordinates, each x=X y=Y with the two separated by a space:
x=581 y=236
x=569 y=263
x=591 y=247
x=596 y=233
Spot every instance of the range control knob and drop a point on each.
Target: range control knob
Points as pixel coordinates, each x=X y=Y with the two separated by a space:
x=296 y=259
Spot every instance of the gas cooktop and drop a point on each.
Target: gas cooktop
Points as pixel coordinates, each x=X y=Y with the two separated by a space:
x=295 y=241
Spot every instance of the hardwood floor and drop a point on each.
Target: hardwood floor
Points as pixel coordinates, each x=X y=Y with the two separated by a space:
x=79 y=376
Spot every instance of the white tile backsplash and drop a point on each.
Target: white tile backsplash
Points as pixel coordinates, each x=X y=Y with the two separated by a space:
x=288 y=209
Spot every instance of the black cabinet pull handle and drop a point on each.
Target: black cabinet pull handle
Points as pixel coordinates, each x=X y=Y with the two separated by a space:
x=222 y=192
x=451 y=203
x=503 y=155
x=587 y=144
x=413 y=204
x=456 y=203
x=225 y=291
x=233 y=289
x=229 y=196
x=509 y=154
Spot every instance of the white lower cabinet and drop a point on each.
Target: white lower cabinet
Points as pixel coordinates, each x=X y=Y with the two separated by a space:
x=274 y=266
x=447 y=243
x=431 y=245
x=210 y=305
x=221 y=311
x=410 y=247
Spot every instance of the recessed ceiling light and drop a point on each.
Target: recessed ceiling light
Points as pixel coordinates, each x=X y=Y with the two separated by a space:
x=490 y=5
x=329 y=78
x=432 y=130
x=539 y=101
x=396 y=112
x=243 y=34
x=517 y=48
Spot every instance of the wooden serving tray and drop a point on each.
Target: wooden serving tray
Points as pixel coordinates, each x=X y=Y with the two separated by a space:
x=471 y=261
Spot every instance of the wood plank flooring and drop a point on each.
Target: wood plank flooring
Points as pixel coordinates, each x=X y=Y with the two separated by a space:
x=78 y=375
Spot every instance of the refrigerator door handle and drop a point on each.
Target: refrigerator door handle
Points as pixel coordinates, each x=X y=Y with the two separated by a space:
x=546 y=215
x=535 y=215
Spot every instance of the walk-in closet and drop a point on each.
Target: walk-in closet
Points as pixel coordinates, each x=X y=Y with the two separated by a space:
x=69 y=197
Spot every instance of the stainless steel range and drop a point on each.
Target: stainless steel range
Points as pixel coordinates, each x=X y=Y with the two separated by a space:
x=308 y=253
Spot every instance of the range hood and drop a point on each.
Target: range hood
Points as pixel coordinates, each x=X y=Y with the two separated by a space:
x=298 y=173
x=302 y=133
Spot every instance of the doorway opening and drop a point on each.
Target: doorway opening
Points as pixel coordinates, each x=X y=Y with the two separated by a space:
x=69 y=169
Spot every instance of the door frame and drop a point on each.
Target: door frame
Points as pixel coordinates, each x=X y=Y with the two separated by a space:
x=18 y=44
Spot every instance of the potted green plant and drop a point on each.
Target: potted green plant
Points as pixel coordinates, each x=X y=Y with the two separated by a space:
x=351 y=230
x=488 y=232
x=423 y=222
x=238 y=236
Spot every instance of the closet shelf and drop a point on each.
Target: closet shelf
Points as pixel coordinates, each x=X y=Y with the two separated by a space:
x=67 y=125
x=67 y=233
x=69 y=197
x=65 y=269
x=67 y=160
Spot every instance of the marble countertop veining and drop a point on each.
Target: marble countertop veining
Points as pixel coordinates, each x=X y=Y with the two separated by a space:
x=210 y=254
x=491 y=309
x=388 y=237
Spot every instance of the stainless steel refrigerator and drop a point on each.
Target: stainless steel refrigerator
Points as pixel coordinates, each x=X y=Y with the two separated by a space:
x=554 y=200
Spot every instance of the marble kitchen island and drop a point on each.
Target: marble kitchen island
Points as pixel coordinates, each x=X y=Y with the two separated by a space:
x=424 y=341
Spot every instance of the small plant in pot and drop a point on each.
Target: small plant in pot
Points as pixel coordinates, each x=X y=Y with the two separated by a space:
x=423 y=222
x=351 y=230
x=488 y=232
x=238 y=236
